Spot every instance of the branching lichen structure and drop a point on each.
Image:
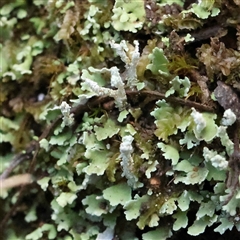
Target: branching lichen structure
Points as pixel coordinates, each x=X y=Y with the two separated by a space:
x=120 y=119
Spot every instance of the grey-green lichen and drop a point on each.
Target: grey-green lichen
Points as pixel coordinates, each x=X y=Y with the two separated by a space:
x=106 y=104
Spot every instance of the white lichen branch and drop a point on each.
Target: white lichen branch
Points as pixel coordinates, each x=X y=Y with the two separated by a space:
x=127 y=163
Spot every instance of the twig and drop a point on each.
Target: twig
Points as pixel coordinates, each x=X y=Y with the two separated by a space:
x=19 y=158
x=159 y=95
x=234 y=165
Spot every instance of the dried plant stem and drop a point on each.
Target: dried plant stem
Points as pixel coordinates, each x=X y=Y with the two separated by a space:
x=158 y=95
x=234 y=164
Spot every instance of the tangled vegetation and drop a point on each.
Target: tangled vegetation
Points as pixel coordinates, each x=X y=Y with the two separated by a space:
x=120 y=119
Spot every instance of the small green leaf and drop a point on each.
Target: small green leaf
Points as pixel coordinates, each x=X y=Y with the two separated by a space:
x=31 y=215
x=99 y=162
x=200 y=225
x=118 y=194
x=52 y=230
x=168 y=207
x=224 y=226
x=232 y=205
x=123 y=114
x=66 y=198
x=21 y=13
x=35 y=235
x=181 y=86
x=95 y=205
x=184 y=166
x=170 y=152
x=38 y=233
x=132 y=208
x=7 y=124
x=184 y=201
x=159 y=62
x=161 y=233
x=181 y=220
x=44 y=144
x=206 y=209
x=169 y=119
x=128 y=15
x=44 y=183
x=196 y=176
x=108 y=130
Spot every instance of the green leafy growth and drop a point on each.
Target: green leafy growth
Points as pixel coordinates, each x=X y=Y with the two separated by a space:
x=60 y=139
x=123 y=114
x=61 y=177
x=181 y=86
x=95 y=205
x=189 y=38
x=181 y=64
x=97 y=153
x=95 y=75
x=38 y=233
x=206 y=209
x=182 y=21
x=199 y=225
x=186 y=197
x=32 y=214
x=15 y=131
x=44 y=182
x=168 y=207
x=108 y=130
x=65 y=218
x=132 y=207
x=169 y=119
x=232 y=205
x=181 y=220
x=151 y=167
x=205 y=9
x=66 y=198
x=215 y=173
x=169 y=152
x=7 y=124
x=112 y=167
x=179 y=2
x=161 y=233
x=205 y=127
x=128 y=15
x=44 y=144
x=118 y=194
x=225 y=225
x=190 y=140
x=190 y=174
x=145 y=144
x=158 y=63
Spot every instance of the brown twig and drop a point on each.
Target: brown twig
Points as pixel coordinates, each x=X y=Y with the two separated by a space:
x=234 y=165
x=18 y=159
x=176 y=100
